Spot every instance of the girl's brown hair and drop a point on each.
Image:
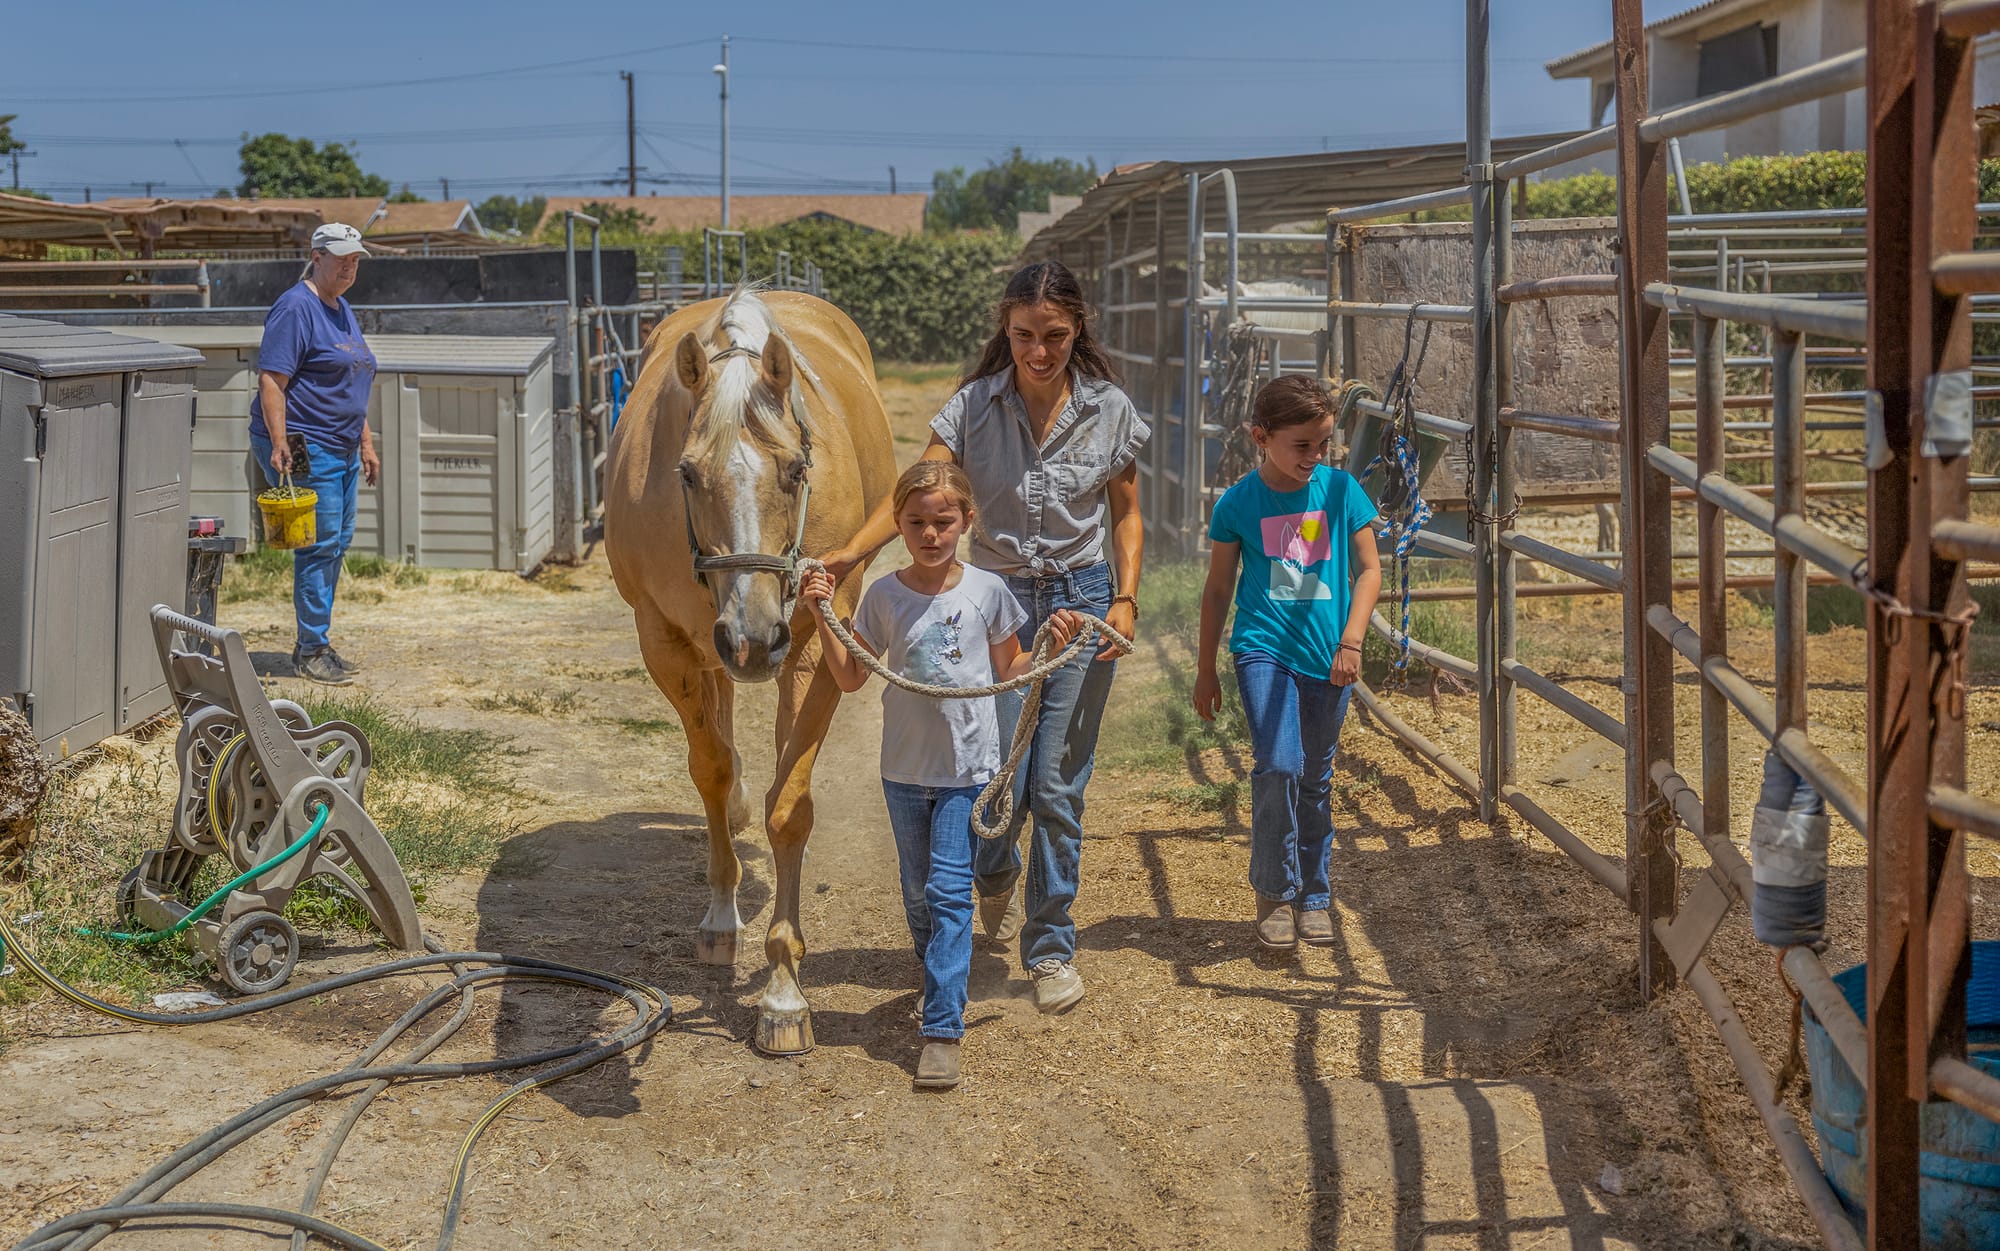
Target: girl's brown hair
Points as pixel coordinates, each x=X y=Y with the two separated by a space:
x=1290 y=401
x=935 y=475
x=1051 y=283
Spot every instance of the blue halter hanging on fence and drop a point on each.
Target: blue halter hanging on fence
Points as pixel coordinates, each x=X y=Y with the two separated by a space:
x=1402 y=503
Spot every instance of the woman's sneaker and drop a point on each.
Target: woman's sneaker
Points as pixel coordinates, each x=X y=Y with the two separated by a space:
x=320 y=667
x=1002 y=915
x=1057 y=985
x=346 y=665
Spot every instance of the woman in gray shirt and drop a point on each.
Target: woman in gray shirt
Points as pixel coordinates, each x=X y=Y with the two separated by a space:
x=1051 y=446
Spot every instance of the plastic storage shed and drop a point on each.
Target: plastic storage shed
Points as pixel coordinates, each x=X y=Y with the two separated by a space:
x=466 y=427
x=473 y=414
x=95 y=447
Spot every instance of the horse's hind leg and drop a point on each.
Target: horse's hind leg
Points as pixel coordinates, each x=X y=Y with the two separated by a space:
x=705 y=706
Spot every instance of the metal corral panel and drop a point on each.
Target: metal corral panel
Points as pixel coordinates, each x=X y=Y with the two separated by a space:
x=93 y=478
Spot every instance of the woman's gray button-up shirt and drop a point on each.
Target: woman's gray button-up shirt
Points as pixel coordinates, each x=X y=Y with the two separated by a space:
x=1040 y=508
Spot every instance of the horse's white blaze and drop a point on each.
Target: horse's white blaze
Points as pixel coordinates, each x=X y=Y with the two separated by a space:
x=745 y=468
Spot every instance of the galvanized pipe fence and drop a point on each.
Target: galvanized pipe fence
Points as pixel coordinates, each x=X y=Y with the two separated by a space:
x=1905 y=284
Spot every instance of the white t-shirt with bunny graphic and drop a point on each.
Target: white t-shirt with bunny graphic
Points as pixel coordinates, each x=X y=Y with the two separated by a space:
x=940 y=640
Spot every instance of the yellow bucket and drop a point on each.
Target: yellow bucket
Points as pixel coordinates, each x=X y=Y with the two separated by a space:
x=288 y=515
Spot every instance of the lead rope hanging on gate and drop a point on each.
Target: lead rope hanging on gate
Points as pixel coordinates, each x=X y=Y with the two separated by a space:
x=1403 y=505
x=998 y=793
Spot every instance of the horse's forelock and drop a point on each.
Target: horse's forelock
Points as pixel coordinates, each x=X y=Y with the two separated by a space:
x=736 y=404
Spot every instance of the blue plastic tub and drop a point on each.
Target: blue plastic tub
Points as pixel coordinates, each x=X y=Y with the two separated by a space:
x=1960 y=1195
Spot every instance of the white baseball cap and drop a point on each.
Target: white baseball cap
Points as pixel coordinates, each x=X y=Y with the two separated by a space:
x=339 y=239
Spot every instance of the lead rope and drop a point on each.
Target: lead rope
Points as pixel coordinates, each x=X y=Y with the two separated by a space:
x=999 y=792
x=1397 y=456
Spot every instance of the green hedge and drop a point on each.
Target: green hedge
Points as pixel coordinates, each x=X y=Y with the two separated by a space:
x=1748 y=184
x=922 y=297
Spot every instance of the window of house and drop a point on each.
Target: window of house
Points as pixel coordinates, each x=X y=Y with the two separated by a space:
x=1737 y=59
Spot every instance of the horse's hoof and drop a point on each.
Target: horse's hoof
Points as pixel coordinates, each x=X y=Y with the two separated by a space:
x=711 y=947
x=784 y=1033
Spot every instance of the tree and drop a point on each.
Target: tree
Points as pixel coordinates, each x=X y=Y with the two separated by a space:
x=278 y=165
x=503 y=214
x=406 y=196
x=8 y=143
x=1000 y=193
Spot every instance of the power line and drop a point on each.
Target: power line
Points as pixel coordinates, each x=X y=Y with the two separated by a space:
x=294 y=89
x=1054 y=54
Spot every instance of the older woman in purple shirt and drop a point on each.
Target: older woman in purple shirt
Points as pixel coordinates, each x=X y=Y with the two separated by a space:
x=1051 y=446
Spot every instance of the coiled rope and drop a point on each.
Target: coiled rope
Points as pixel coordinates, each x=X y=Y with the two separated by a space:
x=998 y=795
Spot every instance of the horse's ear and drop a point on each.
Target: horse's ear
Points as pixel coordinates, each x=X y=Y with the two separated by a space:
x=691 y=363
x=778 y=366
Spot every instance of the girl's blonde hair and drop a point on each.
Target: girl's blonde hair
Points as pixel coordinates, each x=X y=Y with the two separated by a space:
x=935 y=475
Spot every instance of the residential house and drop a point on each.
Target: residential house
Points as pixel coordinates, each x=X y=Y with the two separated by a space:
x=889 y=214
x=1721 y=45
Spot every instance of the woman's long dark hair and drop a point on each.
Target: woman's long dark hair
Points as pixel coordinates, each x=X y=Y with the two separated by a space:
x=1051 y=283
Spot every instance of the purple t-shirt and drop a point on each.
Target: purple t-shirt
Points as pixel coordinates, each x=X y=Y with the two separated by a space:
x=331 y=370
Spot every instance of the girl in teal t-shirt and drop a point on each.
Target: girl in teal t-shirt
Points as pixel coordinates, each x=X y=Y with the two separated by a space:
x=1292 y=542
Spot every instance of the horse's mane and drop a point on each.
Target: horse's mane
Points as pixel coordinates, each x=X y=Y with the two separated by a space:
x=737 y=403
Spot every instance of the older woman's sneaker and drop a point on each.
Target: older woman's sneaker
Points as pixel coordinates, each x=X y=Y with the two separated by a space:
x=320 y=667
x=1057 y=985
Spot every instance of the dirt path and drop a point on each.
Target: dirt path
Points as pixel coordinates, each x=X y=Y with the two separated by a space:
x=1458 y=1071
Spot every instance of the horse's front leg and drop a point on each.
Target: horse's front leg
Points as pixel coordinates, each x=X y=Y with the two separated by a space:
x=806 y=701
x=704 y=701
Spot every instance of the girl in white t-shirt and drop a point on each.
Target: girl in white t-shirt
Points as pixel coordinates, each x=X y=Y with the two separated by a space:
x=944 y=623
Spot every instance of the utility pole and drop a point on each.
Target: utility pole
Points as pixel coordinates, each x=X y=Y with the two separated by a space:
x=892 y=180
x=722 y=71
x=631 y=139
x=16 y=155
x=446 y=184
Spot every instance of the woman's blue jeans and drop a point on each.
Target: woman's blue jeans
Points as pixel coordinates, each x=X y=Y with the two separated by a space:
x=316 y=569
x=1294 y=727
x=1048 y=789
x=933 y=827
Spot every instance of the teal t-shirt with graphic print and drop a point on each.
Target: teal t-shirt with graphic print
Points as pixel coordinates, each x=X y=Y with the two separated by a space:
x=1296 y=582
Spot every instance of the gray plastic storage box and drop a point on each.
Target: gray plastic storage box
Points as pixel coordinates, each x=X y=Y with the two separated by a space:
x=95 y=443
x=465 y=425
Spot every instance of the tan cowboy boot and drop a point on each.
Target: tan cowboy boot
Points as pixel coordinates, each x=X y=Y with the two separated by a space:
x=1277 y=927
x=1316 y=927
x=937 y=1067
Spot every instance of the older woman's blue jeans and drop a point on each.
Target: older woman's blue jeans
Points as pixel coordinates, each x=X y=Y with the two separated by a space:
x=1294 y=728
x=1048 y=789
x=933 y=828
x=336 y=477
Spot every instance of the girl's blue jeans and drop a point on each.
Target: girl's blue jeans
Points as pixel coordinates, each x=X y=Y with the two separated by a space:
x=933 y=827
x=1049 y=785
x=1294 y=727
x=316 y=569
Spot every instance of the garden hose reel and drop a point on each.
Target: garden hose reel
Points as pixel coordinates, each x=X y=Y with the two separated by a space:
x=255 y=774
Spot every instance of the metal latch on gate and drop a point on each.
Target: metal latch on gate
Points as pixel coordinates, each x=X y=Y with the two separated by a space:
x=1877 y=455
x=37 y=414
x=1948 y=414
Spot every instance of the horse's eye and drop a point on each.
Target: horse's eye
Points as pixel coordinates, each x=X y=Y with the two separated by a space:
x=687 y=474
x=797 y=473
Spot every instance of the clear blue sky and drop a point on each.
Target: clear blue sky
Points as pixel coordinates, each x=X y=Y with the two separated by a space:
x=523 y=98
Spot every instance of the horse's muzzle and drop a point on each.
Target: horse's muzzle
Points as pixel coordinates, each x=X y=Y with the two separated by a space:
x=750 y=659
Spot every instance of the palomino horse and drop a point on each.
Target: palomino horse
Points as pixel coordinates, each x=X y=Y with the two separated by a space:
x=755 y=437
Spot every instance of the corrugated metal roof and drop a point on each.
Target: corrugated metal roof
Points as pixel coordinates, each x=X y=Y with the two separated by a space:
x=1274 y=190
x=459 y=353
x=48 y=349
